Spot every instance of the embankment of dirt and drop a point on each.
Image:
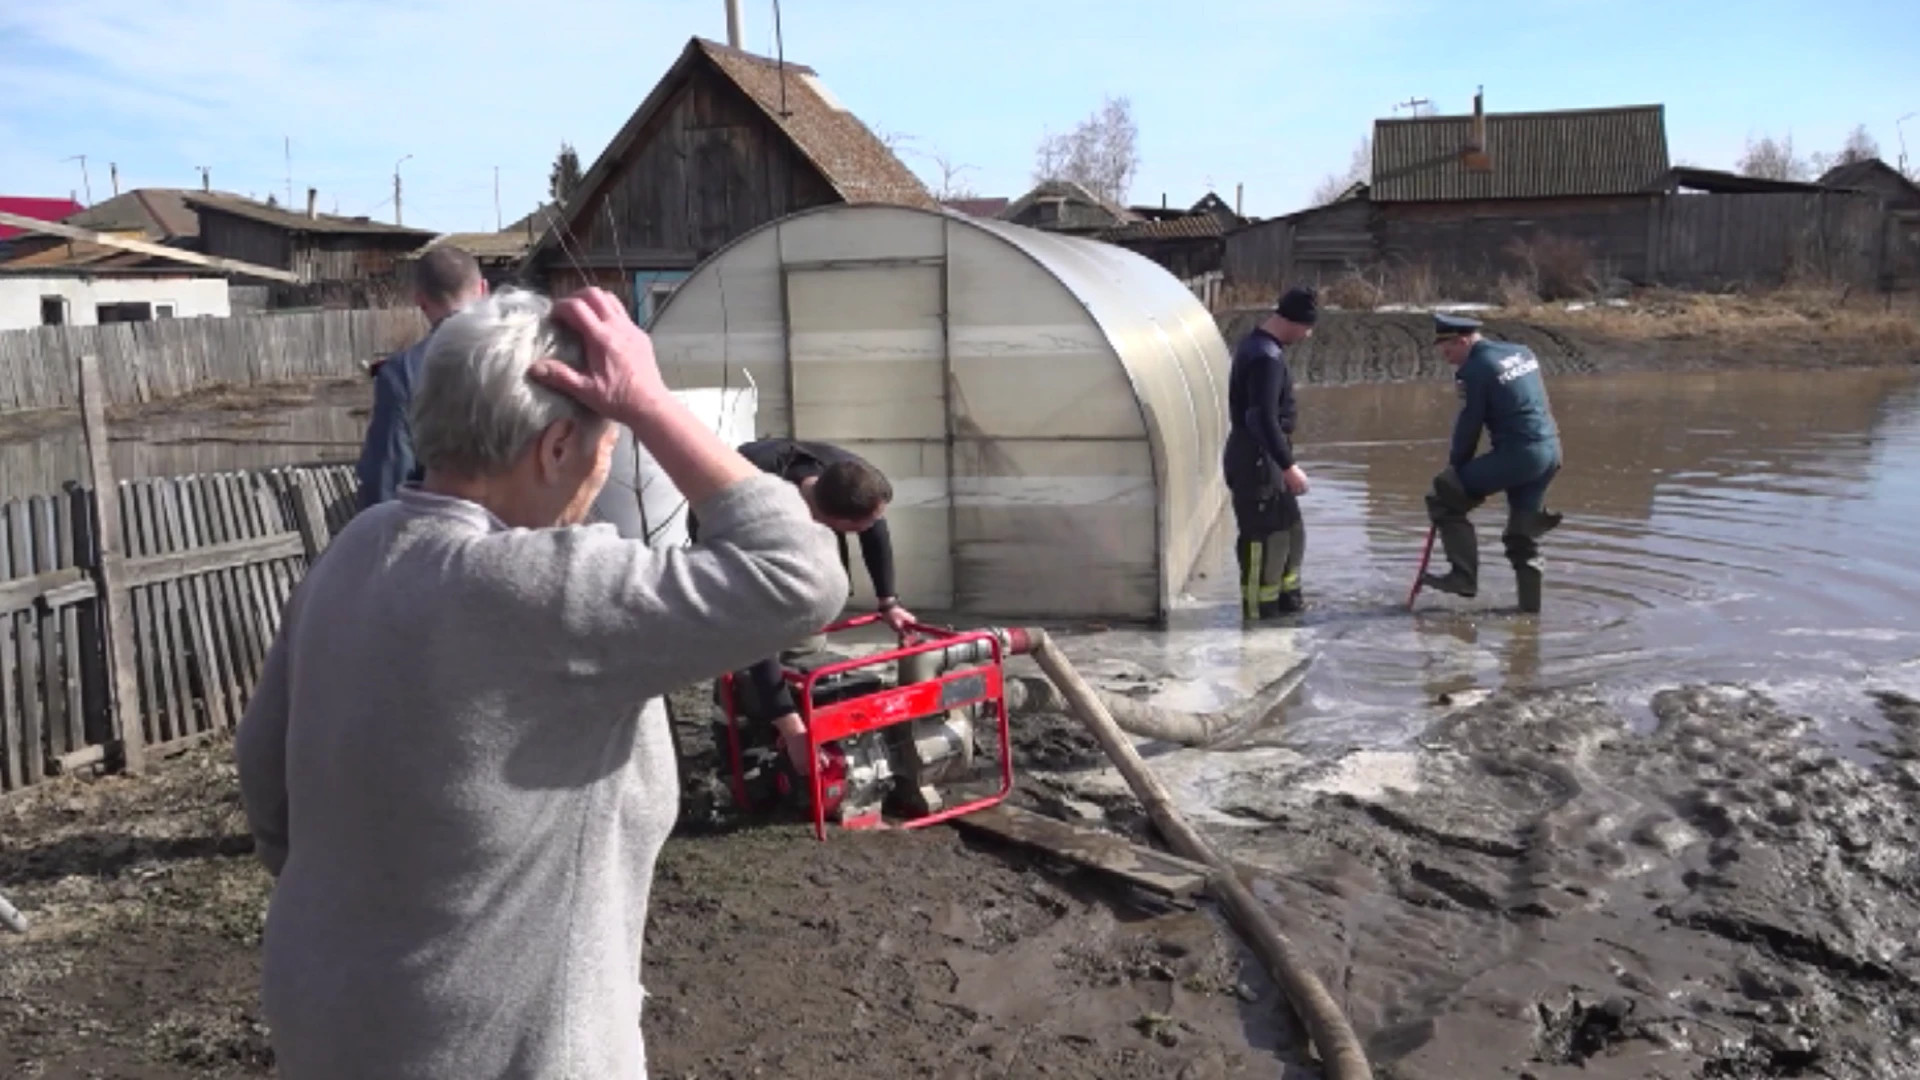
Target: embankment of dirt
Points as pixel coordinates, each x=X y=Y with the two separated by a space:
x=1685 y=334
x=1542 y=890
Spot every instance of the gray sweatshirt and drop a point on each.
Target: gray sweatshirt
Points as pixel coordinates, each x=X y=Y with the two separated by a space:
x=457 y=766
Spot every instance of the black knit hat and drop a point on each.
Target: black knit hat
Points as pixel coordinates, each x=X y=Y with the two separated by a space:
x=1297 y=305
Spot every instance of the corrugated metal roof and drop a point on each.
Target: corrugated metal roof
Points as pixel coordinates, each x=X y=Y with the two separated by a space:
x=1187 y=227
x=1618 y=151
x=297 y=222
x=35 y=207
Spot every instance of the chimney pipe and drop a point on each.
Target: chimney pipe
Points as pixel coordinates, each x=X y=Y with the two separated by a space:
x=313 y=196
x=1238 y=191
x=733 y=23
x=114 y=169
x=1479 y=119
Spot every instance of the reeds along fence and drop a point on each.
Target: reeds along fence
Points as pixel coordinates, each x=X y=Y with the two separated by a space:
x=137 y=624
x=165 y=358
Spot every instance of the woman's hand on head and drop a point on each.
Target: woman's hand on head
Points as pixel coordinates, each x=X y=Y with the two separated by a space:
x=622 y=378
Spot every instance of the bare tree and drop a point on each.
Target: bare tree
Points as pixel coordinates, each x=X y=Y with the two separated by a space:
x=1859 y=146
x=1101 y=153
x=895 y=141
x=1774 y=159
x=1359 y=170
x=951 y=186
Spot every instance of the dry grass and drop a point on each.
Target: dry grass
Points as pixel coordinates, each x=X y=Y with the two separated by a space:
x=1820 y=316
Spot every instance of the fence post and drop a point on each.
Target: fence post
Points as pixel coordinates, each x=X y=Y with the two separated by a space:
x=310 y=516
x=116 y=607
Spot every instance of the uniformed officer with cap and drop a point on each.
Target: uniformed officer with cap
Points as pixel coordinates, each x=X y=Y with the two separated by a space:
x=1501 y=390
x=1261 y=474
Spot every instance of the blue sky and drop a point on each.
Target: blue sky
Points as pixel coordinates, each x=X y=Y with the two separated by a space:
x=1272 y=95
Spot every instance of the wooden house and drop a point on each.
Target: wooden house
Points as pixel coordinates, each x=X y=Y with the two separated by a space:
x=1188 y=242
x=350 y=261
x=725 y=142
x=1064 y=206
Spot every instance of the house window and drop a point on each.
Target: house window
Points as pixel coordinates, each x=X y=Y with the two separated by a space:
x=53 y=311
x=651 y=289
x=126 y=311
x=163 y=309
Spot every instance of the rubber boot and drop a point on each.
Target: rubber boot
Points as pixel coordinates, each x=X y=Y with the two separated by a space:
x=1462 y=549
x=1529 y=580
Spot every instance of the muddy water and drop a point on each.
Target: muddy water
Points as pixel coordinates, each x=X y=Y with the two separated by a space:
x=1755 y=527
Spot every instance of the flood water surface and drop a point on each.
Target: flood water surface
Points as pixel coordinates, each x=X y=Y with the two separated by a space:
x=1752 y=527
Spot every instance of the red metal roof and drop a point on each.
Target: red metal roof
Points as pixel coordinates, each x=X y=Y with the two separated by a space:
x=34 y=207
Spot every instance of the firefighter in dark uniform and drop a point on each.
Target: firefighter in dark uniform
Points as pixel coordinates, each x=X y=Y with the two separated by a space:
x=1264 y=480
x=847 y=495
x=1500 y=389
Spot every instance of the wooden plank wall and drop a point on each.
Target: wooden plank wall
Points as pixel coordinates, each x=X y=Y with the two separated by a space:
x=211 y=562
x=1685 y=241
x=166 y=358
x=1708 y=241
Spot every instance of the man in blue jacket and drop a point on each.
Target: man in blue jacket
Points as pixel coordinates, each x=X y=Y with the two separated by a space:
x=445 y=280
x=1501 y=390
x=1262 y=476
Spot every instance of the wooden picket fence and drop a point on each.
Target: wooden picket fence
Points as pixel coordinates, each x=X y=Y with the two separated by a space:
x=195 y=573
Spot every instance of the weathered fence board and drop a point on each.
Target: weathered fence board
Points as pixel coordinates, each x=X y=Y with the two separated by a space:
x=167 y=358
x=1688 y=241
x=211 y=563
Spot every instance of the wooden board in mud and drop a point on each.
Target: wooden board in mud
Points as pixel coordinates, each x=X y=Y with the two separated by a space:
x=1153 y=871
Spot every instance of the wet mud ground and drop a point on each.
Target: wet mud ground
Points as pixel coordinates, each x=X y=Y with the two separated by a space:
x=1540 y=890
x=1543 y=887
x=910 y=954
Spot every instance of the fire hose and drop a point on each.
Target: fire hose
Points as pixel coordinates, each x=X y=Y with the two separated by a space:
x=1333 y=1037
x=1026 y=694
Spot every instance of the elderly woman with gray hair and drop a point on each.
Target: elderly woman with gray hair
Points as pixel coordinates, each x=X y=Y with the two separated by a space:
x=456 y=764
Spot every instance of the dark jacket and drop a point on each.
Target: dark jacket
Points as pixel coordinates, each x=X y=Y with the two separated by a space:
x=1501 y=390
x=386 y=455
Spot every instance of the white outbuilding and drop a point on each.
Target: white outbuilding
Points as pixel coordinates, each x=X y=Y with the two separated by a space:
x=1050 y=410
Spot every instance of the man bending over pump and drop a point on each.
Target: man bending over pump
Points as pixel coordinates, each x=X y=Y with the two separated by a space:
x=1500 y=389
x=847 y=495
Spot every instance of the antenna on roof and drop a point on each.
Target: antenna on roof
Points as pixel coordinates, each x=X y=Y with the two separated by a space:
x=1900 y=132
x=206 y=177
x=780 y=59
x=1412 y=103
x=88 y=184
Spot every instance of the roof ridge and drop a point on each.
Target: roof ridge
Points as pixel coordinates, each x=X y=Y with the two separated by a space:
x=712 y=46
x=1598 y=110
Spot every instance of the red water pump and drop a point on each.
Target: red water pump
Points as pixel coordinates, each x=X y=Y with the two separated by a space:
x=892 y=728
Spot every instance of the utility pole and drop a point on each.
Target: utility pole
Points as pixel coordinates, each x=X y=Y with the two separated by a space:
x=87 y=184
x=289 y=148
x=396 y=188
x=206 y=177
x=497 y=225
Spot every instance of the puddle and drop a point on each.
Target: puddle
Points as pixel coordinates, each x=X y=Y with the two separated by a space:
x=1753 y=528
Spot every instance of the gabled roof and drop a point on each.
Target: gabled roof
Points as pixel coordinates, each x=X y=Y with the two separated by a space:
x=1868 y=174
x=60 y=255
x=852 y=159
x=537 y=222
x=298 y=222
x=1071 y=191
x=158 y=213
x=36 y=207
x=1718 y=182
x=1615 y=151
